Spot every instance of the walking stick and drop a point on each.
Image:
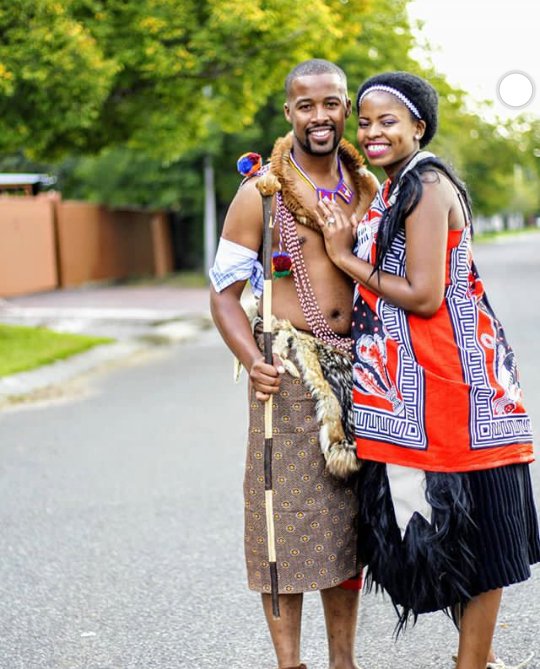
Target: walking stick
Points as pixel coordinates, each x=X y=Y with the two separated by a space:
x=268 y=185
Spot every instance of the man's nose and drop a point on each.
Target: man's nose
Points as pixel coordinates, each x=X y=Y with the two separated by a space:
x=320 y=113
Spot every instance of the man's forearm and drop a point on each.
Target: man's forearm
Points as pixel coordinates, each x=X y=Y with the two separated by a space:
x=234 y=326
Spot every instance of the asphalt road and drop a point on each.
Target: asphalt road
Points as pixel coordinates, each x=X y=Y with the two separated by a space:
x=121 y=518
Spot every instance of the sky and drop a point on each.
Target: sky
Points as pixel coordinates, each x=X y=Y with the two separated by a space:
x=490 y=49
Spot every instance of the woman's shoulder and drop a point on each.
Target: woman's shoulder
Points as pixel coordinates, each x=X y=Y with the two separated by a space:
x=442 y=188
x=438 y=176
x=437 y=192
x=433 y=173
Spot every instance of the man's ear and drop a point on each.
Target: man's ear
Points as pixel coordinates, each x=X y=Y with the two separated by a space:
x=348 y=108
x=287 y=112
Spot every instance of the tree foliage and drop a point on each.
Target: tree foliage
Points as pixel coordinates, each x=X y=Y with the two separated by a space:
x=124 y=98
x=156 y=75
x=54 y=78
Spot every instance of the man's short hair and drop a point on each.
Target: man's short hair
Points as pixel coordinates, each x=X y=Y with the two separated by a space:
x=314 y=66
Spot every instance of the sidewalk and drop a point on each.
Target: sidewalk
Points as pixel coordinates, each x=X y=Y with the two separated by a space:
x=137 y=317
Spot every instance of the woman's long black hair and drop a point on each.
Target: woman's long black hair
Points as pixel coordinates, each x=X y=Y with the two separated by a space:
x=410 y=193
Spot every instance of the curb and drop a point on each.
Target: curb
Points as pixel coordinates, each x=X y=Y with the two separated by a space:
x=24 y=384
x=18 y=386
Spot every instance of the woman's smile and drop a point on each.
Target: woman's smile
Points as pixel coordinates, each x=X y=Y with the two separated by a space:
x=375 y=149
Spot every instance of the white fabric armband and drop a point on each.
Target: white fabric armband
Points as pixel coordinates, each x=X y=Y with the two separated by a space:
x=234 y=262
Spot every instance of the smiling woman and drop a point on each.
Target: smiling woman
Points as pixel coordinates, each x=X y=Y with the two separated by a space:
x=439 y=416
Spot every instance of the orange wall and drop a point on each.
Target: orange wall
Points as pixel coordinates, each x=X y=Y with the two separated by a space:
x=92 y=243
x=27 y=245
x=96 y=243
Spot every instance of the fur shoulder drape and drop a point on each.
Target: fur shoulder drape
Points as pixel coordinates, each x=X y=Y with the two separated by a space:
x=364 y=182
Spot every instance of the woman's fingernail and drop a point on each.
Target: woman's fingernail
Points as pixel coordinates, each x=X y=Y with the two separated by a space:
x=281 y=369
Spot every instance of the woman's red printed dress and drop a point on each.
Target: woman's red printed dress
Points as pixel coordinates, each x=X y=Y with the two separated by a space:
x=442 y=393
x=444 y=436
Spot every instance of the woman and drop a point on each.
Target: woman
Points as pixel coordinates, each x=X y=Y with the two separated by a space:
x=447 y=507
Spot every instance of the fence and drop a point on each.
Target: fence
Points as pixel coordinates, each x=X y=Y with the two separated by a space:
x=48 y=243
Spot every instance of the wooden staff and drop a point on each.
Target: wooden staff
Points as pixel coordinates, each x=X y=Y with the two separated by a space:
x=268 y=185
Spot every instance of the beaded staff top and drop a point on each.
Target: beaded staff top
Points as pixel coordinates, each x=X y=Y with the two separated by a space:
x=249 y=164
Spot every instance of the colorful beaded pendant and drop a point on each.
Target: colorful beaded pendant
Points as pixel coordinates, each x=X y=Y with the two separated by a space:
x=281 y=264
x=342 y=189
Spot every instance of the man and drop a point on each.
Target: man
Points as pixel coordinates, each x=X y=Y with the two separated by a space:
x=314 y=511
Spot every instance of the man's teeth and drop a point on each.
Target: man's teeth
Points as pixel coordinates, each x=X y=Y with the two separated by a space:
x=320 y=133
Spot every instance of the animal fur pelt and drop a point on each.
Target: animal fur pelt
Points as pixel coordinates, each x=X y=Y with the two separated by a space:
x=327 y=374
x=365 y=184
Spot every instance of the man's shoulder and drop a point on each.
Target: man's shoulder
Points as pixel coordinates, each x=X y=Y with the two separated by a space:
x=371 y=183
x=247 y=189
x=264 y=169
x=280 y=151
x=243 y=220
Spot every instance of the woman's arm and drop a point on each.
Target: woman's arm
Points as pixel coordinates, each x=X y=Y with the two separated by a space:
x=421 y=291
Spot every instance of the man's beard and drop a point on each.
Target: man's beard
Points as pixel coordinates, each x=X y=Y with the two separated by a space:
x=306 y=145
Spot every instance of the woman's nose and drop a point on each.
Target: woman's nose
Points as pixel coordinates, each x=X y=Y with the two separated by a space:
x=374 y=130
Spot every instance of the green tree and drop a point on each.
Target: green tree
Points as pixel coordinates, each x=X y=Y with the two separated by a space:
x=525 y=132
x=54 y=79
x=154 y=75
x=490 y=157
x=133 y=95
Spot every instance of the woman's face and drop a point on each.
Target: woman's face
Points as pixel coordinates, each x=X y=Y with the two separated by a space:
x=388 y=134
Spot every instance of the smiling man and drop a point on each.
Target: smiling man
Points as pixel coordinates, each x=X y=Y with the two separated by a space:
x=315 y=511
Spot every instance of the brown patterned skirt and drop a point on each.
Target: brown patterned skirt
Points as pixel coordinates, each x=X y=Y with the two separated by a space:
x=315 y=514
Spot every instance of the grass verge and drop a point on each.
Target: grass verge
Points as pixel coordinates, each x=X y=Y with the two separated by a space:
x=23 y=348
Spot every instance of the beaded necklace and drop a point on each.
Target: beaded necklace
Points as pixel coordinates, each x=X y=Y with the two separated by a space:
x=343 y=189
x=308 y=302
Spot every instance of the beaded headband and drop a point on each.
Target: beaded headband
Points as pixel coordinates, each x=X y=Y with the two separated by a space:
x=393 y=91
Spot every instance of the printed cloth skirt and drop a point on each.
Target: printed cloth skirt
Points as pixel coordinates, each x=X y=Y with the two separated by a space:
x=315 y=514
x=433 y=541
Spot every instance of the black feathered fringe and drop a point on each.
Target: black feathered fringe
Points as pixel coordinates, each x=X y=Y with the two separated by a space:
x=430 y=569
